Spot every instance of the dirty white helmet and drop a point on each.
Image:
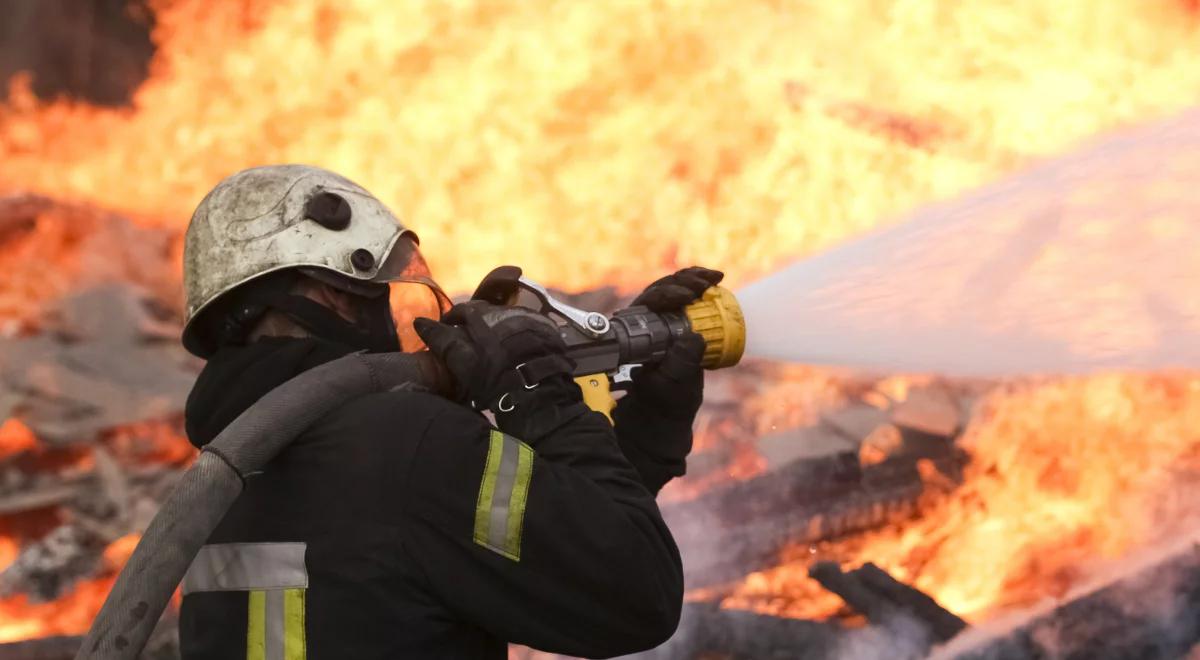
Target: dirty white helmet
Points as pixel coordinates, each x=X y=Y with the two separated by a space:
x=266 y=219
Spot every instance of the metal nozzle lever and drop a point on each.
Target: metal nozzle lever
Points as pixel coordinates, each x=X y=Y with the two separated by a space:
x=593 y=324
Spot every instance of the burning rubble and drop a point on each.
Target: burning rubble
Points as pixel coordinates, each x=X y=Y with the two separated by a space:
x=93 y=384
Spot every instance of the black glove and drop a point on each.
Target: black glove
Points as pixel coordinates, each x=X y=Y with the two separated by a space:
x=509 y=360
x=675 y=386
x=674 y=292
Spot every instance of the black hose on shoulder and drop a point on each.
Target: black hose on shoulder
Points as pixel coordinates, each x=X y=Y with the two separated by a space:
x=206 y=491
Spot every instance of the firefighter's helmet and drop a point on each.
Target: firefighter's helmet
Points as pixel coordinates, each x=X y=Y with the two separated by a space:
x=267 y=219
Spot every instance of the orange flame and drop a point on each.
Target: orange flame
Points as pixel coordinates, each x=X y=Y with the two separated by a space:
x=737 y=134
x=69 y=615
x=1064 y=477
x=15 y=437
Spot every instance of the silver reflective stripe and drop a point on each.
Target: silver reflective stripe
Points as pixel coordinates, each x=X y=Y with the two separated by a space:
x=503 y=494
x=506 y=478
x=247 y=566
x=274 y=625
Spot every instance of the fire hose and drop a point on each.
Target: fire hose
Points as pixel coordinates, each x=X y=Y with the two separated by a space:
x=206 y=491
x=604 y=349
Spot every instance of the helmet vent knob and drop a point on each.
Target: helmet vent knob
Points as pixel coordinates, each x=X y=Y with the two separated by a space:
x=362 y=259
x=329 y=210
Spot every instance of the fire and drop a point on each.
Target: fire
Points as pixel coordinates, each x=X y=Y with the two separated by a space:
x=152 y=442
x=730 y=133
x=769 y=398
x=1064 y=477
x=69 y=615
x=64 y=247
x=15 y=437
x=72 y=613
x=736 y=134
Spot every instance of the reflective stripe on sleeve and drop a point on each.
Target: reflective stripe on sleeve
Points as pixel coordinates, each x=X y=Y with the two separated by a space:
x=500 y=509
x=256 y=633
x=246 y=567
x=293 y=631
x=275 y=625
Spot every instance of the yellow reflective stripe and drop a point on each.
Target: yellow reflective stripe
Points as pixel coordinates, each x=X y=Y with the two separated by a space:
x=516 y=505
x=256 y=629
x=293 y=631
x=275 y=625
x=487 y=489
x=503 y=494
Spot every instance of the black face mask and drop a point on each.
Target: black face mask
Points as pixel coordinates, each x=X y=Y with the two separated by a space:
x=375 y=331
x=379 y=328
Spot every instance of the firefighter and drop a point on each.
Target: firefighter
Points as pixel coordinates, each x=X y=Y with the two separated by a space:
x=405 y=524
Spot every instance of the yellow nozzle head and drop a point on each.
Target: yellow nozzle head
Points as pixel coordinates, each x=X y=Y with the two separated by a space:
x=717 y=317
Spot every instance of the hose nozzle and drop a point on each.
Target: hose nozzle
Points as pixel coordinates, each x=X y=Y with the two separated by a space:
x=717 y=317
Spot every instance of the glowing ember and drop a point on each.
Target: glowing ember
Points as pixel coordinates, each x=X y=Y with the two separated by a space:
x=152 y=442
x=119 y=551
x=15 y=437
x=8 y=551
x=69 y=615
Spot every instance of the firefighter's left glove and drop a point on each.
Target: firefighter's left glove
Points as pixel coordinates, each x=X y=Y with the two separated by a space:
x=674 y=387
x=509 y=360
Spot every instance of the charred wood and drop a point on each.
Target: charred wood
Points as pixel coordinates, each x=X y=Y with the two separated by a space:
x=1150 y=614
x=107 y=364
x=944 y=623
x=18 y=214
x=48 y=567
x=707 y=631
x=31 y=492
x=98 y=507
x=855 y=594
x=44 y=648
x=741 y=527
x=163 y=645
x=881 y=598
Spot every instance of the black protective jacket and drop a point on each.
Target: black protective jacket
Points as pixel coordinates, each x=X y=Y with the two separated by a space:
x=404 y=526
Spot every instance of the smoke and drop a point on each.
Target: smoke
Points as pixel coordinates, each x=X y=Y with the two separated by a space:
x=897 y=639
x=1142 y=606
x=1081 y=264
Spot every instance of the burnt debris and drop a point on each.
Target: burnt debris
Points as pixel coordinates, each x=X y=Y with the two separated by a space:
x=882 y=599
x=92 y=387
x=865 y=472
x=1150 y=614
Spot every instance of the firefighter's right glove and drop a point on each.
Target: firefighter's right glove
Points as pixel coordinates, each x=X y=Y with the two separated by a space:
x=509 y=360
